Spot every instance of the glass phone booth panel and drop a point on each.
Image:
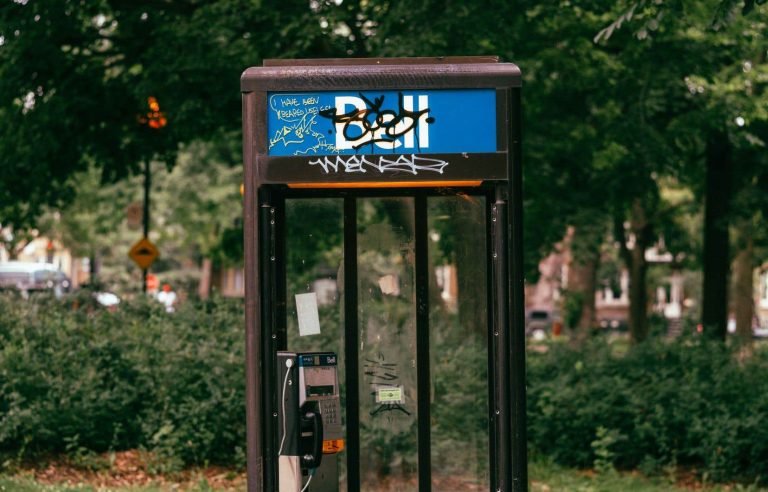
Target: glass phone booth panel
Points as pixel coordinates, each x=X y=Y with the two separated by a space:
x=387 y=358
x=314 y=256
x=387 y=327
x=458 y=336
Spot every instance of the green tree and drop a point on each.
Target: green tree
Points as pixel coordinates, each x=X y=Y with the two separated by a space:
x=92 y=222
x=705 y=95
x=605 y=123
x=75 y=78
x=194 y=204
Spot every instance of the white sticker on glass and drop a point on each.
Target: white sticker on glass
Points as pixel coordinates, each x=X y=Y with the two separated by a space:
x=306 y=310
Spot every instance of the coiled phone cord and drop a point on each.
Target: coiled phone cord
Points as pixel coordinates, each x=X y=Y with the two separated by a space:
x=306 y=485
x=288 y=364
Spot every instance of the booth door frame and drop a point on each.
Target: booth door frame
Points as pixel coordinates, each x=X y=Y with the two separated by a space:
x=272 y=288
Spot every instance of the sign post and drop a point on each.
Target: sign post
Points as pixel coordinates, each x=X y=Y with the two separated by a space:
x=156 y=120
x=147 y=186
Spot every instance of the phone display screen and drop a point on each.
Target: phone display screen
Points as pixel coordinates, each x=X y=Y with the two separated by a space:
x=320 y=381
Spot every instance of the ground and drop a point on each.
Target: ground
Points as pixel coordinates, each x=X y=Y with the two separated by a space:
x=128 y=472
x=123 y=471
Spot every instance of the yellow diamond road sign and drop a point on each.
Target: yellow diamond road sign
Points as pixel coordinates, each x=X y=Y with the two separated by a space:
x=144 y=253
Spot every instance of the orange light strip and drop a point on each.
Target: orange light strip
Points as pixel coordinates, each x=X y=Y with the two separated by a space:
x=387 y=184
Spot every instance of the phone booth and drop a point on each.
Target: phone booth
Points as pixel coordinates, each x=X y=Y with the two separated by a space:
x=383 y=275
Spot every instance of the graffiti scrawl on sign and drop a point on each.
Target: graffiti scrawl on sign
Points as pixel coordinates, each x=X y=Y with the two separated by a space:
x=410 y=164
x=404 y=123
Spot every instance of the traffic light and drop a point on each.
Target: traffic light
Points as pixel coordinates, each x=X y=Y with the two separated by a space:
x=155 y=118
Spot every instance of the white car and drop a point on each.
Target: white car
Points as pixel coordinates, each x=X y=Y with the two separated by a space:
x=29 y=276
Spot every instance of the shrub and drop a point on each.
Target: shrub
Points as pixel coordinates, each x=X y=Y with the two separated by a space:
x=137 y=377
x=664 y=403
x=83 y=381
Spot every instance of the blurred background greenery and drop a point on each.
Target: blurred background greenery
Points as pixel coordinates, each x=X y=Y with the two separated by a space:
x=645 y=128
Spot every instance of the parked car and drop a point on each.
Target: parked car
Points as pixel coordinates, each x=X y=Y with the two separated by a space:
x=28 y=277
x=539 y=323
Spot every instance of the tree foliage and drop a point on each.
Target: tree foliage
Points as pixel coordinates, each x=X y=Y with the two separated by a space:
x=621 y=98
x=75 y=78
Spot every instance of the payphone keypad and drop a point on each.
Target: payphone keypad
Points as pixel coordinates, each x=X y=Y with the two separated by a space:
x=329 y=409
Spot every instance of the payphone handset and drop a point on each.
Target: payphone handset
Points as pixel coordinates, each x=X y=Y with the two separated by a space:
x=310 y=417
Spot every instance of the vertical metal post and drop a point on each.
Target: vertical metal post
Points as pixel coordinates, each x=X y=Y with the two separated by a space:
x=145 y=216
x=422 y=343
x=517 y=296
x=268 y=257
x=277 y=338
x=492 y=322
x=501 y=353
x=253 y=401
x=351 y=344
x=280 y=328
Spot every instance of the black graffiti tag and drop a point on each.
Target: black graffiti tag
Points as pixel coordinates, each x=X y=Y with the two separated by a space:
x=380 y=371
x=378 y=125
x=383 y=373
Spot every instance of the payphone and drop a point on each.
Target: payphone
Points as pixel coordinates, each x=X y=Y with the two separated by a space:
x=309 y=422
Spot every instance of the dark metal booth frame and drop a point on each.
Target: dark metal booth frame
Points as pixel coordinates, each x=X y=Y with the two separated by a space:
x=270 y=180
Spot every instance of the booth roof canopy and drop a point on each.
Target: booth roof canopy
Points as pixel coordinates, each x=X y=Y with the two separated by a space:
x=381 y=73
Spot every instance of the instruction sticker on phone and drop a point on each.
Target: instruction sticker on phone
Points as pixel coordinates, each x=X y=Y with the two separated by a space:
x=389 y=394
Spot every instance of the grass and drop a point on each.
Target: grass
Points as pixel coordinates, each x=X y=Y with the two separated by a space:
x=22 y=484
x=545 y=477
x=16 y=484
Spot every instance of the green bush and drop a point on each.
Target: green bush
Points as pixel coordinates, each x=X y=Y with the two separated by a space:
x=136 y=377
x=83 y=380
x=662 y=403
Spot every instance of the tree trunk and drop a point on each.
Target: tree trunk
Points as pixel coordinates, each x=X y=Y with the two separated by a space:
x=204 y=287
x=585 y=250
x=217 y=277
x=714 y=311
x=589 y=274
x=637 y=266
x=93 y=269
x=638 y=296
x=14 y=248
x=743 y=298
